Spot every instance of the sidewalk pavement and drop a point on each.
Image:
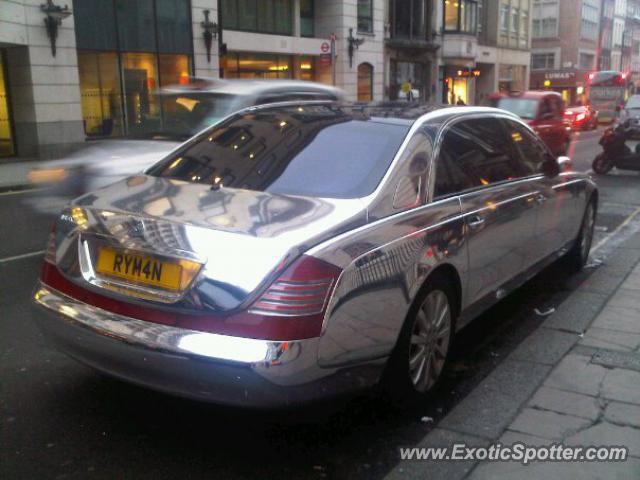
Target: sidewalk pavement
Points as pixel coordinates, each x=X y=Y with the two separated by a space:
x=574 y=381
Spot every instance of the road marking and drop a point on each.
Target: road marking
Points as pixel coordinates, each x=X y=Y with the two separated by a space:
x=21 y=257
x=17 y=192
x=606 y=239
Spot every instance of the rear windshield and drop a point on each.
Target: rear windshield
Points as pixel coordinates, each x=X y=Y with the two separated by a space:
x=313 y=150
x=522 y=107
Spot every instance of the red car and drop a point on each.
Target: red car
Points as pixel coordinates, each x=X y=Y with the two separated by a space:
x=543 y=111
x=582 y=118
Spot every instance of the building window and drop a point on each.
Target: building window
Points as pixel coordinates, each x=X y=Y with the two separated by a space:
x=263 y=16
x=136 y=48
x=515 y=20
x=504 y=19
x=306 y=18
x=590 y=19
x=409 y=19
x=524 y=29
x=461 y=16
x=6 y=129
x=365 y=82
x=365 y=16
x=545 y=18
x=587 y=61
x=413 y=73
x=543 y=61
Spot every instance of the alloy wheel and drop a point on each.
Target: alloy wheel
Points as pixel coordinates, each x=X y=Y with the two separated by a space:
x=430 y=338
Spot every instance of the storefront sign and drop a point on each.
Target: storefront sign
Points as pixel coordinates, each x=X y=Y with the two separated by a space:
x=468 y=72
x=559 y=75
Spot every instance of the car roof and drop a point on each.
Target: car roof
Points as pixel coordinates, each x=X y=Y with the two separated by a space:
x=393 y=112
x=249 y=87
x=529 y=94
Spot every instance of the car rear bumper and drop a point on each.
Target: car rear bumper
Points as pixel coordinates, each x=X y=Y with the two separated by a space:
x=193 y=364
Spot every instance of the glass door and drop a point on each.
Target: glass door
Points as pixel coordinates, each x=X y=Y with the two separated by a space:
x=6 y=128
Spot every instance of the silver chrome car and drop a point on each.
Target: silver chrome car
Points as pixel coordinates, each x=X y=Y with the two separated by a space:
x=300 y=250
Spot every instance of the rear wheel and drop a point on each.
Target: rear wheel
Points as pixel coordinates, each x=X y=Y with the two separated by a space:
x=422 y=351
x=602 y=164
x=578 y=256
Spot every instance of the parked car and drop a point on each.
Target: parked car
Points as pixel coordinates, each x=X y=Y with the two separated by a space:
x=299 y=251
x=187 y=109
x=582 y=117
x=544 y=112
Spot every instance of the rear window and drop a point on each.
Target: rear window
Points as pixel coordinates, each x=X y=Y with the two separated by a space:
x=313 y=150
x=523 y=107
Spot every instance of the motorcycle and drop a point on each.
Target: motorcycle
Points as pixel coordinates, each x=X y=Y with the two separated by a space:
x=615 y=152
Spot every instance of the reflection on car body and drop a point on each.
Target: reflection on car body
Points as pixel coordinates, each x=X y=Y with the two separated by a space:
x=346 y=252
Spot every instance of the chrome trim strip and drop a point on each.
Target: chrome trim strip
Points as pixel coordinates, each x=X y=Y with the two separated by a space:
x=155 y=336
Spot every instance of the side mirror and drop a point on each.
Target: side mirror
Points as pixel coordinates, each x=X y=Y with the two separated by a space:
x=551 y=168
x=547 y=116
x=565 y=164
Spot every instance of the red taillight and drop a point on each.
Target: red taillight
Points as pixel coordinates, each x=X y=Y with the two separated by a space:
x=302 y=290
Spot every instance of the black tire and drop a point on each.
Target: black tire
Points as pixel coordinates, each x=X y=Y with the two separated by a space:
x=578 y=256
x=398 y=380
x=602 y=164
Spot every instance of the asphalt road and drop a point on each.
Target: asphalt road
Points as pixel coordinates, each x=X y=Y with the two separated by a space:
x=59 y=419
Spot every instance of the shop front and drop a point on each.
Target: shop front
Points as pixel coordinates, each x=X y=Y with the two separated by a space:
x=126 y=51
x=459 y=85
x=274 y=66
x=569 y=83
x=7 y=147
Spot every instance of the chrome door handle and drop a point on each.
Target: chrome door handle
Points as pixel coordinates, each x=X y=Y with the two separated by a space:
x=475 y=221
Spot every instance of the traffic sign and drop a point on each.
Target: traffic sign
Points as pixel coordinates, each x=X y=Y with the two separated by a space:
x=325 y=47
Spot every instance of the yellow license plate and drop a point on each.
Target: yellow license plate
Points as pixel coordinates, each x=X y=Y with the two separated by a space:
x=140 y=269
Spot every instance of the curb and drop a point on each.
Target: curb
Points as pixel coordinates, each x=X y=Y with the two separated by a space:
x=483 y=416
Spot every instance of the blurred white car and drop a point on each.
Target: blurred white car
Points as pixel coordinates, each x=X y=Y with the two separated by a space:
x=187 y=109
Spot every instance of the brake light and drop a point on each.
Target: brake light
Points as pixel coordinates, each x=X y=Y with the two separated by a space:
x=303 y=289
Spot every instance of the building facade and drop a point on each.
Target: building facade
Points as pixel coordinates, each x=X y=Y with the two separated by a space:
x=565 y=46
x=111 y=55
x=411 y=49
x=485 y=48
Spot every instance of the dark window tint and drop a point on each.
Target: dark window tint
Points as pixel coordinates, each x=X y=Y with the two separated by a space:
x=475 y=153
x=318 y=151
x=136 y=25
x=173 y=26
x=306 y=18
x=531 y=152
x=95 y=24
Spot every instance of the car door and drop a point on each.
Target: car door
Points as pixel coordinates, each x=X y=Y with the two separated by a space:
x=556 y=197
x=545 y=124
x=476 y=163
